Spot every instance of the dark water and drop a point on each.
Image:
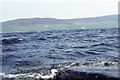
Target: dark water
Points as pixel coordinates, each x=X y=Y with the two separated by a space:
x=33 y=50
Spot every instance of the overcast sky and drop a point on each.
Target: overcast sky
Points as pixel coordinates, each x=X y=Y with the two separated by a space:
x=61 y=9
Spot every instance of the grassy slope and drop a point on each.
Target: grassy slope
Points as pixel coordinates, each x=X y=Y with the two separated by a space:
x=109 y=24
x=78 y=24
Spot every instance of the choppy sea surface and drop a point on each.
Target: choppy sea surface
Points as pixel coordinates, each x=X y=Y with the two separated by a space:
x=35 y=51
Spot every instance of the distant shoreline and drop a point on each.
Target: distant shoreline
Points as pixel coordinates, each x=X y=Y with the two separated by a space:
x=53 y=30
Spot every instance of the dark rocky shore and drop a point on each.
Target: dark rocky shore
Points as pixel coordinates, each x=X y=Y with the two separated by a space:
x=73 y=75
x=76 y=71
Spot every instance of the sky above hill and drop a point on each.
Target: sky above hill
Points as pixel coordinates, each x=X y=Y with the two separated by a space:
x=61 y=9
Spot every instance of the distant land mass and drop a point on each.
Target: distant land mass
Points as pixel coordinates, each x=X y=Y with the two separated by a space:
x=43 y=24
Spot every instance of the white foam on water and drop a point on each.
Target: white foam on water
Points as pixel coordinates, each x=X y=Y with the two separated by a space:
x=33 y=75
x=20 y=39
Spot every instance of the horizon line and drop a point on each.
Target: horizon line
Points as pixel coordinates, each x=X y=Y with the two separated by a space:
x=56 y=18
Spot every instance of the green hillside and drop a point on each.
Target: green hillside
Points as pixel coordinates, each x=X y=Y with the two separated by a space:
x=43 y=24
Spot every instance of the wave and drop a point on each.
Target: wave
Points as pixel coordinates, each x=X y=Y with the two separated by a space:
x=12 y=41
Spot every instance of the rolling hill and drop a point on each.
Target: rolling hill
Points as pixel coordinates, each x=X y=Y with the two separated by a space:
x=40 y=24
